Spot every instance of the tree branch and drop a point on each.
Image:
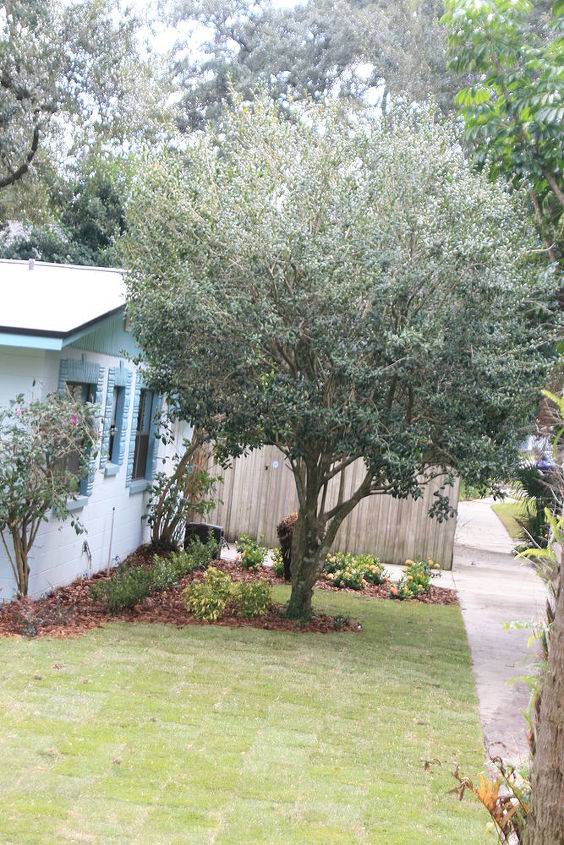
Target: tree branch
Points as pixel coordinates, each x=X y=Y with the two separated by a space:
x=23 y=168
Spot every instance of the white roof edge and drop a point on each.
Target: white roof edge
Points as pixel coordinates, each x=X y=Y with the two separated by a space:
x=37 y=263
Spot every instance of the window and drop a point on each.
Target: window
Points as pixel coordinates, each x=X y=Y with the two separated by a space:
x=84 y=380
x=116 y=422
x=143 y=445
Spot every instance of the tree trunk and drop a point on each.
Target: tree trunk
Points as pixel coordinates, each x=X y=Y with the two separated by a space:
x=546 y=820
x=22 y=565
x=308 y=553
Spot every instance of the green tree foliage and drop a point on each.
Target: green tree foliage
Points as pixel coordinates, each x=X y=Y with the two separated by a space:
x=87 y=213
x=77 y=61
x=515 y=110
x=317 y=49
x=341 y=288
x=45 y=447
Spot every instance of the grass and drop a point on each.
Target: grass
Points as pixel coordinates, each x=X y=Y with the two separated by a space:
x=509 y=513
x=151 y=734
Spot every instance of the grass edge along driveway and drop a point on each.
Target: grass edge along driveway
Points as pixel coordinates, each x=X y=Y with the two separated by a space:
x=152 y=734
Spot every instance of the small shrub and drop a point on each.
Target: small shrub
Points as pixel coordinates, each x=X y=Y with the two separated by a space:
x=203 y=602
x=252 y=598
x=124 y=589
x=416 y=579
x=218 y=581
x=353 y=571
x=202 y=553
x=372 y=568
x=250 y=553
x=207 y=599
x=340 y=622
x=278 y=563
x=350 y=577
x=164 y=573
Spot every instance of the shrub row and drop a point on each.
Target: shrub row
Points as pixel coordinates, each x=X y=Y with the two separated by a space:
x=130 y=585
x=208 y=599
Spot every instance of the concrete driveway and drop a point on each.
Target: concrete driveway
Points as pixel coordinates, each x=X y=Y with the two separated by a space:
x=493 y=589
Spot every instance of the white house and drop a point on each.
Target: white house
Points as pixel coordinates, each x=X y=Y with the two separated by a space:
x=63 y=326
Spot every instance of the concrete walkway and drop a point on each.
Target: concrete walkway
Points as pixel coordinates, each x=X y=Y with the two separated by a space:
x=493 y=589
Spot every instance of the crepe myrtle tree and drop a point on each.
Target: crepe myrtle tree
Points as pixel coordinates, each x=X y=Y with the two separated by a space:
x=342 y=287
x=45 y=447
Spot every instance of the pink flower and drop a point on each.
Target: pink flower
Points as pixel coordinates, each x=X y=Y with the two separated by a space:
x=18 y=410
x=74 y=418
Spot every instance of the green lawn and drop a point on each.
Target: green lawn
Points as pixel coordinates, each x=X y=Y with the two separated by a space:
x=508 y=513
x=150 y=734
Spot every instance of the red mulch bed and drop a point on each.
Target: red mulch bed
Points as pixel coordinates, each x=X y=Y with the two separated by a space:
x=70 y=611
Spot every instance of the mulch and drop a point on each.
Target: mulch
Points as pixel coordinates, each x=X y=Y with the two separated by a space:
x=70 y=611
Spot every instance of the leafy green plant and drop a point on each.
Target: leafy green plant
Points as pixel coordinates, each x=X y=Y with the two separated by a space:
x=252 y=598
x=536 y=496
x=353 y=571
x=207 y=599
x=416 y=579
x=373 y=570
x=200 y=552
x=46 y=449
x=185 y=489
x=124 y=589
x=250 y=553
x=131 y=584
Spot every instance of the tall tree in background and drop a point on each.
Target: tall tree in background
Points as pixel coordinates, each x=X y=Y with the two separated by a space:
x=342 y=289
x=320 y=48
x=86 y=211
x=72 y=67
x=514 y=113
x=514 y=116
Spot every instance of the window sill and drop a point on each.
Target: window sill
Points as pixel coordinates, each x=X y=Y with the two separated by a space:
x=111 y=469
x=139 y=486
x=76 y=504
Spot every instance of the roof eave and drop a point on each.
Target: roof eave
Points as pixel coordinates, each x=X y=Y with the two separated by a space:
x=46 y=339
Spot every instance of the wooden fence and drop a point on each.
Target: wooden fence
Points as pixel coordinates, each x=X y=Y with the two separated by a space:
x=257 y=491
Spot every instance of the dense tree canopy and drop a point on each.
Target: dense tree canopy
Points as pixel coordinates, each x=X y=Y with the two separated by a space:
x=340 y=288
x=319 y=48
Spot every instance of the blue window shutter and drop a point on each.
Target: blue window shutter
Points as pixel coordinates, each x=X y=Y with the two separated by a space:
x=117 y=377
x=126 y=406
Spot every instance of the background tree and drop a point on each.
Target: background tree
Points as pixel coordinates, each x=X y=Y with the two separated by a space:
x=37 y=439
x=341 y=289
x=86 y=212
x=514 y=112
x=76 y=62
x=317 y=49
